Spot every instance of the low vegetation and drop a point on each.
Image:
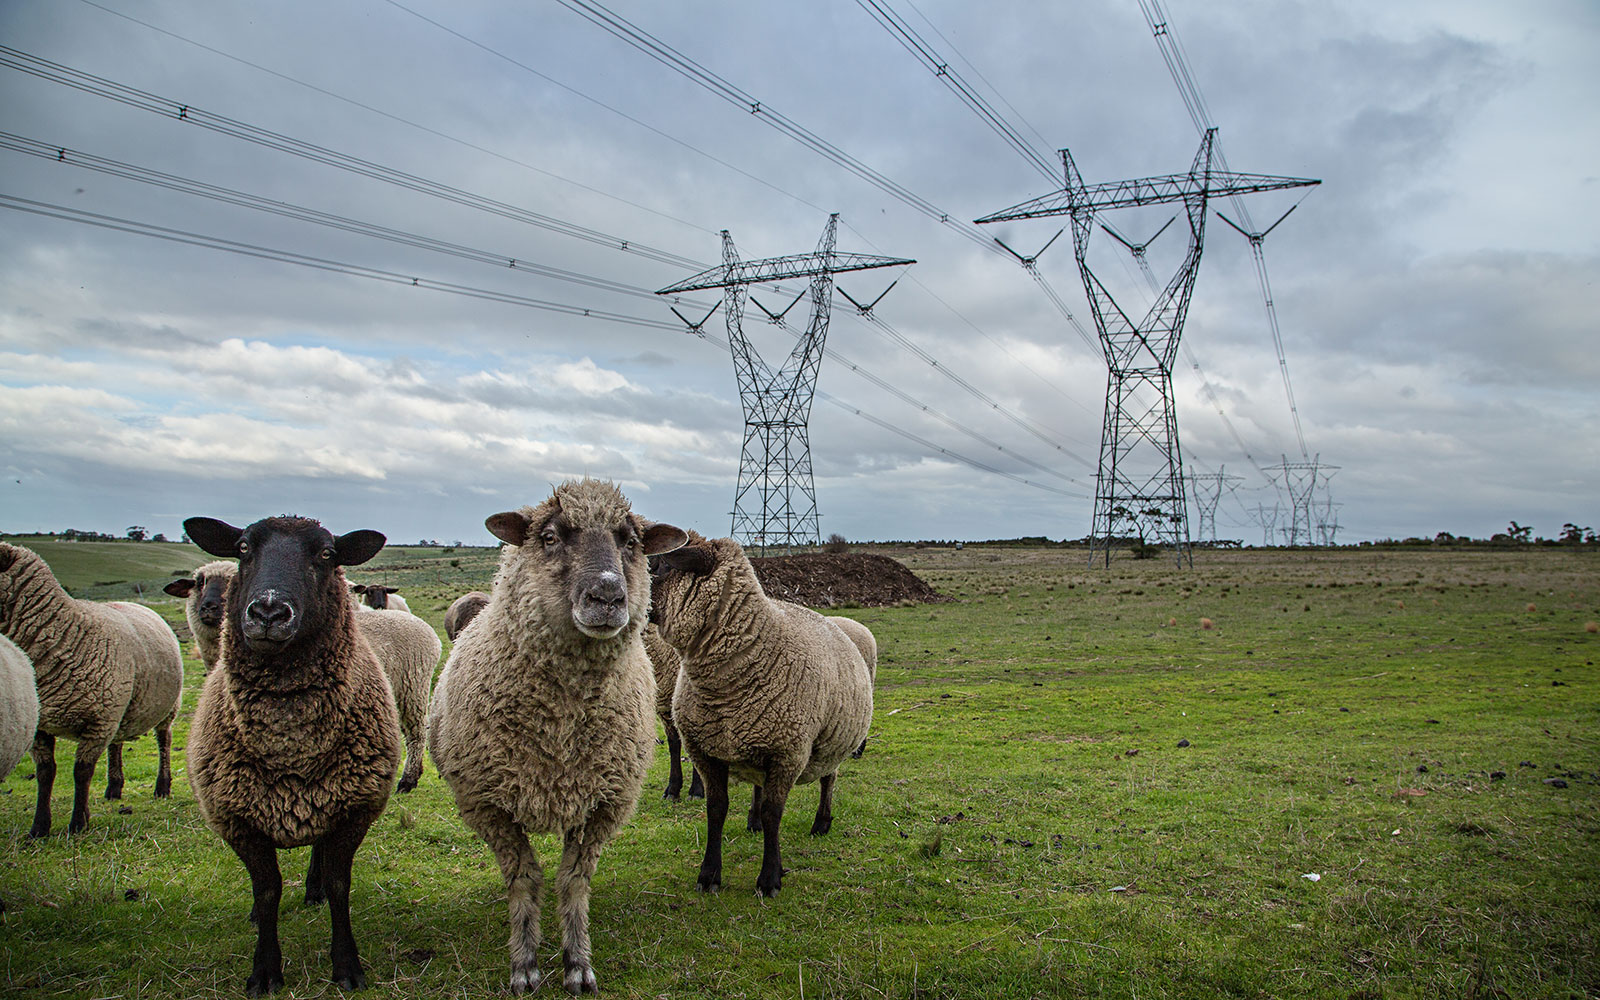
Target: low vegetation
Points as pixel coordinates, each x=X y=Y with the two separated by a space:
x=1377 y=774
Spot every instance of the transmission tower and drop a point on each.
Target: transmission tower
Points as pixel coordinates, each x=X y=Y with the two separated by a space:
x=1208 y=489
x=1268 y=519
x=1139 y=489
x=775 y=502
x=1310 y=517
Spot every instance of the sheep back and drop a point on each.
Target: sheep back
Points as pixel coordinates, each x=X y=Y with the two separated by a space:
x=19 y=705
x=462 y=611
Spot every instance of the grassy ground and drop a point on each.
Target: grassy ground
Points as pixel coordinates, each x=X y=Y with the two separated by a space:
x=1027 y=820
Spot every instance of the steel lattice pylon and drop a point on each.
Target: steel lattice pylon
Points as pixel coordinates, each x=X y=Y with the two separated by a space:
x=775 y=501
x=1139 y=492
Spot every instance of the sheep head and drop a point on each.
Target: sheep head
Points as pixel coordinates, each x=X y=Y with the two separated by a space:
x=584 y=547
x=373 y=595
x=206 y=589
x=684 y=585
x=290 y=581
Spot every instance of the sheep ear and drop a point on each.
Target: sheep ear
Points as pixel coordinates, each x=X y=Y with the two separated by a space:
x=509 y=526
x=659 y=538
x=358 y=588
x=356 y=547
x=390 y=590
x=697 y=560
x=180 y=588
x=219 y=538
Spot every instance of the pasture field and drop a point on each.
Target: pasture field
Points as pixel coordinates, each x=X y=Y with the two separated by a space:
x=1074 y=788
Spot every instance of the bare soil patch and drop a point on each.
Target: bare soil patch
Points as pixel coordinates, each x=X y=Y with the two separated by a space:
x=826 y=580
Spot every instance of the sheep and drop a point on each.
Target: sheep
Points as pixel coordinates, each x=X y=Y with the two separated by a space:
x=770 y=692
x=407 y=649
x=105 y=673
x=462 y=611
x=541 y=720
x=376 y=595
x=665 y=660
x=868 y=645
x=406 y=646
x=19 y=709
x=295 y=740
x=202 y=594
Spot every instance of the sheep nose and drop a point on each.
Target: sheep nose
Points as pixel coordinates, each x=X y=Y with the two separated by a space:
x=269 y=612
x=607 y=589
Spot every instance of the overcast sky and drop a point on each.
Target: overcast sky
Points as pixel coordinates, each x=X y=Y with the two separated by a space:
x=1436 y=294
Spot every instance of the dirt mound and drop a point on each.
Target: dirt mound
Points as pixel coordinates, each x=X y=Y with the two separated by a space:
x=826 y=580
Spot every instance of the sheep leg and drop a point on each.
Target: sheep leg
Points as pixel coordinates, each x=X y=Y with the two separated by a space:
x=774 y=795
x=413 y=726
x=266 y=887
x=674 y=764
x=316 y=889
x=83 y=765
x=824 y=821
x=715 y=773
x=752 y=820
x=524 y=879
x=697 y=788
x=580 y=855
x=44 y=777
x=114 y=771
x=164 y=748
x=337 y=850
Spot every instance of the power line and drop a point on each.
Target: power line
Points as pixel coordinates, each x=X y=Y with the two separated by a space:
x=391 y=116
x=133 y=97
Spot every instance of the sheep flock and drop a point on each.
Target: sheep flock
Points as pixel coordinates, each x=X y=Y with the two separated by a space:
x=600 y=625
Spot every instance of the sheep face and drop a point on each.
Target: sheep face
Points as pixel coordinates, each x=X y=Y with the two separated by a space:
x=206 y=590
x=373 y=595
x=675 y=580
x=587 y=541
x=289 y=572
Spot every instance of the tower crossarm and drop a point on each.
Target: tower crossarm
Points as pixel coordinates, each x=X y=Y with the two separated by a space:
x=804 y=265
x=1146 y=191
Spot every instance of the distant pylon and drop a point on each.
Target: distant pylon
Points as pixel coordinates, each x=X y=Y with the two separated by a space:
x=775 y=501
x=1309 y=518
x=1207 y=489
x=1139 y=490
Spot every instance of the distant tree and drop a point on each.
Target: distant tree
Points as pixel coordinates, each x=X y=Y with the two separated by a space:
x=1521 y=533
x=158 y=537
x=1444 y=538
x=837 y=543
x=136 y=532
x=1571 y=534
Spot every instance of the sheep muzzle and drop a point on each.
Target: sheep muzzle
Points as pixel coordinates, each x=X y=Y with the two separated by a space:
x=269 y=619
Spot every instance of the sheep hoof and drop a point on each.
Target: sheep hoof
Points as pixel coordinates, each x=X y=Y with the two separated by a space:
x=670 y=794
x=406 y=785
x=768 y=893
x=580 y=980
x=821 y=826
x=526 y=980
x=263 y=982
x=356 y=980
x=714 y=885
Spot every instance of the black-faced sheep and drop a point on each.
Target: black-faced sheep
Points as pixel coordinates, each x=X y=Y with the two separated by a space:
x=105 y=674
x=202 y=606
x=541 y=721
x=295 y=739
x=770 y=692
x=406 y=646
x=462 y=611
x=665 y=661
x=376 y=595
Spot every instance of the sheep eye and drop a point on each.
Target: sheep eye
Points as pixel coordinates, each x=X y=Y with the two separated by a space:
x=244 y=547
x=326 y=555
x=549 y=537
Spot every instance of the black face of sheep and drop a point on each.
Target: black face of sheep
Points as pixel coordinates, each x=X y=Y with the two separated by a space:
x=211 y=588
x=285 y=564
x=596 y=561
x=373 y=595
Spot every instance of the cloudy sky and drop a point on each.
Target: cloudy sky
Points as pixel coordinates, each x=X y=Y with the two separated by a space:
x=1436 y=294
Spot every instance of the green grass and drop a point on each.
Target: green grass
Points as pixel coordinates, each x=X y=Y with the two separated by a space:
x=1024 y=822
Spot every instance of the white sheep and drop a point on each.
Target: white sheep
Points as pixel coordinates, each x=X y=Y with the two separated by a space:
x=770 y=692
x=541 y=721
x=666 y=663
x=105 y=674
x=462 y=611
x=406 y=646
x=408 y=651
x=295 y=739
x=19 y=709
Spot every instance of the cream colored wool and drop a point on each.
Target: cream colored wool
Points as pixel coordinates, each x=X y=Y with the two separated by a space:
x=408 y=651
x=207 y=638
x=538 y=726
x=19 y=705
x=105 y=673
x=463 y=610
x=775 y=692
